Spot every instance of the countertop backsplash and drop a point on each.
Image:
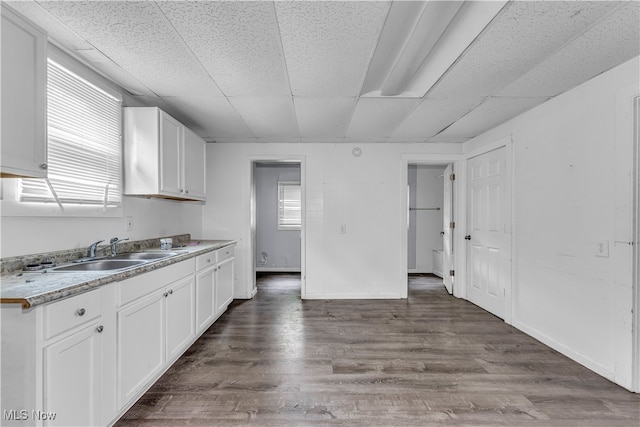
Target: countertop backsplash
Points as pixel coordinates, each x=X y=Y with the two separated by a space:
x=18 y=263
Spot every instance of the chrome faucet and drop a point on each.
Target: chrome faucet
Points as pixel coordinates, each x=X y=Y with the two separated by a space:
x=92 y=248
x=113 y=243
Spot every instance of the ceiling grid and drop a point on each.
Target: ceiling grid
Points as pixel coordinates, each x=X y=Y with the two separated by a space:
x=296 y=71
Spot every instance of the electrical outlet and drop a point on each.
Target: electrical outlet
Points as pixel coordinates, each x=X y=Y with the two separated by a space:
x=129 y=223
x=602 y=248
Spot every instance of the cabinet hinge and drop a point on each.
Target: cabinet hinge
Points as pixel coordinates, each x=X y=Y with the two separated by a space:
x=452 y=225
x=452 y=177
x=452 y=273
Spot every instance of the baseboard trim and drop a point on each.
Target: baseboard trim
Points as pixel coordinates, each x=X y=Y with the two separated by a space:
x=577 y=357
x=353 y=296
x=278 y=270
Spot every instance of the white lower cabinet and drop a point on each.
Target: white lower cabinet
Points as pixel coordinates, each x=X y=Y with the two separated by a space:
x=214 y=286
x=224 y=285
x=73 y=377
x=205 y=294
x=179 y=316
x=58 y=362
x=152 y=332
x=84 y=360
x=140 y=346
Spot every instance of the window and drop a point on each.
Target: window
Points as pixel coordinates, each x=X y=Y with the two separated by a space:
x=84 y=144
x=289 y=205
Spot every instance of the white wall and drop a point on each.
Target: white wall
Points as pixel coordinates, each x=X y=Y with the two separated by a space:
x=425 y=225
x=22 y=235
x=281 y=246
x=572 y=190
x=365 y=194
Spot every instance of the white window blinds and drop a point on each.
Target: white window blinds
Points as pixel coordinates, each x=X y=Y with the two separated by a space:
x=289 y=205
x=84 y=144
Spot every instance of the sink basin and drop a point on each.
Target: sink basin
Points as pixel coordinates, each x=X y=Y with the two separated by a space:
x=143 y=256
x=101 y=265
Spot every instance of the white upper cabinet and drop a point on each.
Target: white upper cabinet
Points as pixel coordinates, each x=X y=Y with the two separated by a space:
x=24 y=79
x=195 y=165
x=162 y=158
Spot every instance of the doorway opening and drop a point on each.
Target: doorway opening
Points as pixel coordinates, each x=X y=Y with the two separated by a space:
x=430 y=223
x=277 y=218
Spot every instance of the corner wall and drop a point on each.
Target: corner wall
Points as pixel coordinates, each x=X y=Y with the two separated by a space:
x=364 y=194
x=567 y=203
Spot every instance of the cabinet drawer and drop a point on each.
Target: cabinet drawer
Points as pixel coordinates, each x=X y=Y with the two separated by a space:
x=225 y=253
x=205 y=260
x=146 y=283
x=64 y=315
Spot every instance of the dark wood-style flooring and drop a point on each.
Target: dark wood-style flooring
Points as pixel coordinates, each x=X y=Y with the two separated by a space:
x=429 y=360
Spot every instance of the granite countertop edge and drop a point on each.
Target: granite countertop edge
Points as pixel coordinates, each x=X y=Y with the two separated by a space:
x=78 y=284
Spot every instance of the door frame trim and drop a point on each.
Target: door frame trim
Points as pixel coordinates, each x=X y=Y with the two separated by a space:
x=427 y=160
x=251 y=267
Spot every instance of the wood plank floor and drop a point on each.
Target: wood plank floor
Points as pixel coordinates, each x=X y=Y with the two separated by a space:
x=429 y=360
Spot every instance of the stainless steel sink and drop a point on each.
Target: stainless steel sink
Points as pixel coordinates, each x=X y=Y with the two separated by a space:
x=143 y=255
x=101 y=265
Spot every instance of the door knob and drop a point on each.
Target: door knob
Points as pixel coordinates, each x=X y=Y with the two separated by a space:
x=467 y=237
x=442 y=233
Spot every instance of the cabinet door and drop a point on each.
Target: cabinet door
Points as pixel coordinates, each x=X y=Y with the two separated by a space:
x=194 y=165
x=72 y=378
x=224 y=285
x=23 y=89
x=205 y=294
x=171 y=137
x=180 y=328
x=140 y=345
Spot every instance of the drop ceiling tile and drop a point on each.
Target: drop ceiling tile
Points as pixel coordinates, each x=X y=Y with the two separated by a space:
x=210 y=117
x=237 y=42
x=75 y=45
x=378 y=117
x=323 y=117
x=268 y=117
x=489 y=114
x=138 y=37
x=518 y=39
x=610 y=42
x=433 y=115
x=328 y=45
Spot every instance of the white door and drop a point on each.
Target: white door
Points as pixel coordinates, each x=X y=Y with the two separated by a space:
x=488 y=243
x=72 y=378
x=447 y=236
x=205 y=298
x=179 y=316
x=194 y=165
x=224 y=285
x=170 y=155
x=141 y=346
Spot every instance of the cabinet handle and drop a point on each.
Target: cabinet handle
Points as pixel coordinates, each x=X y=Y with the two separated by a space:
x=99 y=329
x=43 y=166
x=171 y=292
x=166 y=294
x=215 y=269
x=81 y=312
x=209 y=260
x=186 y=191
